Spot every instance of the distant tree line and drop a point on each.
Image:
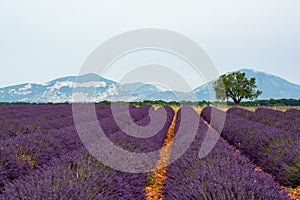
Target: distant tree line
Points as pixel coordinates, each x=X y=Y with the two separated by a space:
x=162 y=103
x=268 y=103
x=173 y=103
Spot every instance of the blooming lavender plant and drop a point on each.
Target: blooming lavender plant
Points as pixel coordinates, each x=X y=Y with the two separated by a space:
x=283 y=120
x=54 y=164
x=275 y=150
x=223 y=174
x=77 y=175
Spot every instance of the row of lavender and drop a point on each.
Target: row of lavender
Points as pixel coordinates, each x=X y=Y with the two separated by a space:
x=77 y=175
x=20 y=154
x=26 y=119
x=58 y=165
x=275 y=150
x=55 y=165
x=222 y=174
x=288 y=120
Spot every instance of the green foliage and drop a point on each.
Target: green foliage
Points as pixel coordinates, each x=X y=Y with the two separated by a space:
x=269 y=103
x=171 y=103
x=236 y=87
x=151 y=179
x=106 y=102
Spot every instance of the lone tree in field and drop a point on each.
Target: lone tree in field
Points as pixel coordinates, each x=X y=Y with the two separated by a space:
x=236 y=86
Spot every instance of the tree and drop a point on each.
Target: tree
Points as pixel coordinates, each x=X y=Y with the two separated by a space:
x=236 y=86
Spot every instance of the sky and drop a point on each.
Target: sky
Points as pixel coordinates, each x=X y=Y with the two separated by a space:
x=44 y=40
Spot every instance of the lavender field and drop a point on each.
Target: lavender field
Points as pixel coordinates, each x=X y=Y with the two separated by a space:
x=256 y=157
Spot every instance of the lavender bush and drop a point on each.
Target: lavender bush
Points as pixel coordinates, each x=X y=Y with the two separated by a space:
x=283 y=120
x=41 y=165
x=223 y=174
x=275 y=150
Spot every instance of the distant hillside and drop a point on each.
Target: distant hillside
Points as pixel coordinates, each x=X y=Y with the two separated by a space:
x=92 y=85
x=272 y=86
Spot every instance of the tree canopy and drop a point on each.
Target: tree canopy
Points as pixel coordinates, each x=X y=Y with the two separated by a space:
x=236 y=86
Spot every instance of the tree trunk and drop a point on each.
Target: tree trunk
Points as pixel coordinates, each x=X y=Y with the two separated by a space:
x=236 y=101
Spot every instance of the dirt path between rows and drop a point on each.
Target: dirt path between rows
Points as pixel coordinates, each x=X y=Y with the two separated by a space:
x=293 y=193
x=158 y=176
x=154 y=188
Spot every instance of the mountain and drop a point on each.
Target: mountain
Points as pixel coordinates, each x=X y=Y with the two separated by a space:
x=272 y=87
x=93 y=88
x=150 y=92
x=204 y=92
x=141 y=88
x=61 y=90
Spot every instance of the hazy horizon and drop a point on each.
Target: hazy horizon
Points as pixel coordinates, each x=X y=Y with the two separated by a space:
x=158 y=86
x=42 y=41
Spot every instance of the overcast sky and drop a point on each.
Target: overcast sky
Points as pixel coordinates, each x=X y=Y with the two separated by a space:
x=43 y=40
